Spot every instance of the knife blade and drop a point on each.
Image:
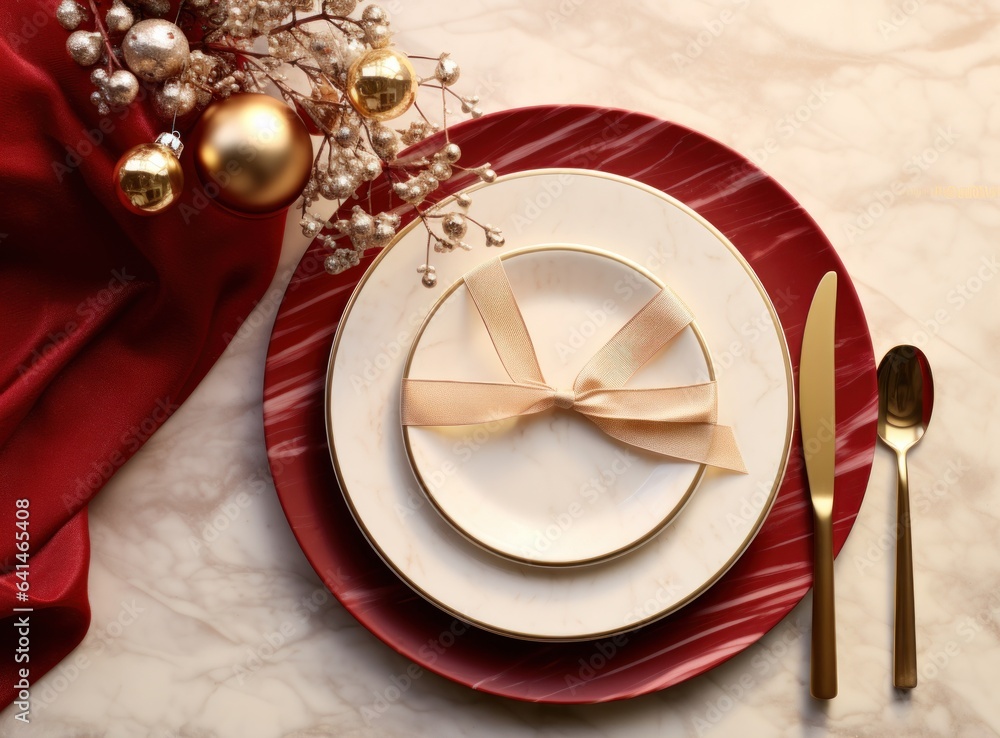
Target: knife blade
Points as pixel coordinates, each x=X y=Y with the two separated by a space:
x=818 y=422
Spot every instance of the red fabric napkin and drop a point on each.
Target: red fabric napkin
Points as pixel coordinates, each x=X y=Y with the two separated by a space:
x=107 y=322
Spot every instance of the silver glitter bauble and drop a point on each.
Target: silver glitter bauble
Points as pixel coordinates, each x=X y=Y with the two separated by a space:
x=494 y=237
x=119 y=17
x=337 y=188
x=121 y=88
x=310 y=227
x=174 y=98
x=451 y=153
x=378 y=35
x=339 y=7
x=384 y=233
x=362 y=224
x=384 y=142
x=375 y=14
x=156 y=49
x=346 y=136
x=447 y=71
x=70 y=14
x=454 y=225
x=372 y=168
x=85 y=47
x=441 y=170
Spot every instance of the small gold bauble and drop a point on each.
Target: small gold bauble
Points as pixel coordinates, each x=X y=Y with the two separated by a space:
x=85 y=47
x=254 y=151
x=119 y=17
x=148 y=179
x=121 y=88
x=70 y=14
x=156 y=49
x=381 y=84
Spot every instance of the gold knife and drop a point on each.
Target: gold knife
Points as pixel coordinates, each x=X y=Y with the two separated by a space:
x=819 y=442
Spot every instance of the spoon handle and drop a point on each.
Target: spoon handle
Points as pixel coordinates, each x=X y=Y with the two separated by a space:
x=904 y=650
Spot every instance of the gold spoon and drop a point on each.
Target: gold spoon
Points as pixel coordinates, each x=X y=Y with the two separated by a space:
x=905 y=400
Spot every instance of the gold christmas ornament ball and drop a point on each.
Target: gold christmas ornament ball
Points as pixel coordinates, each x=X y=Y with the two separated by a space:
x=156 y=49
x=252 y=154
x=148 y=179
x=381 y=84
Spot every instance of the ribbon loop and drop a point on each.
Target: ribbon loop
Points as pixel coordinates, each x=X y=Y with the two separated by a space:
x=679 y=422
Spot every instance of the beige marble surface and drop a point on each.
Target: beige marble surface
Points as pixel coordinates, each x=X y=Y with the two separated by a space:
x=883 y=119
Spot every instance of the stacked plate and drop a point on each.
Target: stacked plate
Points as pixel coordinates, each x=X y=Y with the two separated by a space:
x=543 y=527
x=536 y=557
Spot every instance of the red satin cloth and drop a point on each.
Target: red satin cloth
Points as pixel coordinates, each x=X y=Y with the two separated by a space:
x=107 y=320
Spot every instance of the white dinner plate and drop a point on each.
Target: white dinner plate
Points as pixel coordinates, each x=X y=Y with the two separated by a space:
x=551 y=489
x=756 y=398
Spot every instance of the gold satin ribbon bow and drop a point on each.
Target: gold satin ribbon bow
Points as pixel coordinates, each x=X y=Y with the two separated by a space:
x=679 y=422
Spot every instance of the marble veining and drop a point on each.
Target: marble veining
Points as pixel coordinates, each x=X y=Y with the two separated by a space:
x=196 y=575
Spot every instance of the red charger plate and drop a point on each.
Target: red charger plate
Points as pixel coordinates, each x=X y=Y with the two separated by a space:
x=789 y=254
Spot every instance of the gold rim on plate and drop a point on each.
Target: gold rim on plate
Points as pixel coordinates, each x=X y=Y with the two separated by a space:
x=659 y=525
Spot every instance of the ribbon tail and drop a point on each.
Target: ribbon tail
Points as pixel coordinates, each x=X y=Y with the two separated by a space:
x=431 y=402
x=705 y=443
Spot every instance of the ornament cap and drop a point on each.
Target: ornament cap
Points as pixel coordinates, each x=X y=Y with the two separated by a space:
x=172 y=141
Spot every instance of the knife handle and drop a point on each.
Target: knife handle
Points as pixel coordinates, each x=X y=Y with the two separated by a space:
x=904 y=642
x=823 y=663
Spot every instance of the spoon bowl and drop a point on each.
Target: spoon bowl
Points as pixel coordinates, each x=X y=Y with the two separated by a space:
x=905 y=397
x=905 y=401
